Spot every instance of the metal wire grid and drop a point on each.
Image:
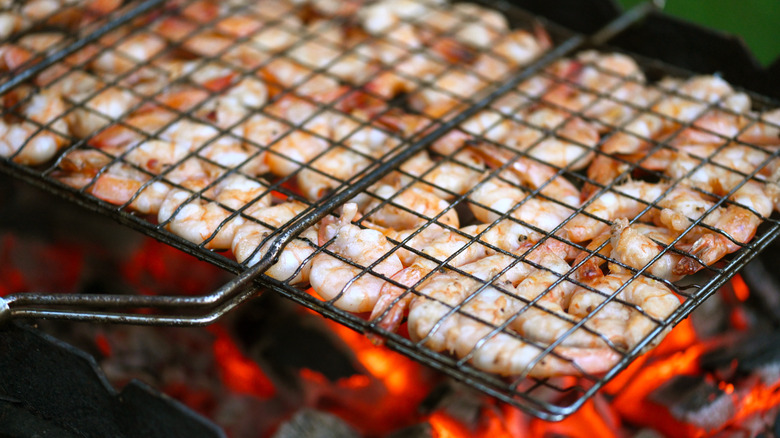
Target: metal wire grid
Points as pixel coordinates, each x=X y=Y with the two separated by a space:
x=548 y=398
x=35 y=35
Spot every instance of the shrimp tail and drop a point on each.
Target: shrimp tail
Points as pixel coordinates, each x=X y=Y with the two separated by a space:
x=707 y=249
x=393 y=302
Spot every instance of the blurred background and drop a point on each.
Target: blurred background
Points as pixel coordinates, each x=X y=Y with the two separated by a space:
x=756 y=21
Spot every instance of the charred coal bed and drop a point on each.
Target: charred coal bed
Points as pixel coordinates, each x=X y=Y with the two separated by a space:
x=272 y=368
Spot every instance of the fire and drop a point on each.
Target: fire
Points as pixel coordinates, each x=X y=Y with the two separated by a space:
x=157 y=268
x=594 y=418
x=741 y=289
x=445 y=426
x=238 y=372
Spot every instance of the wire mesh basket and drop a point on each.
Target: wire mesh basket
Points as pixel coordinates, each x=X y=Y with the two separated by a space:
x=469 y=192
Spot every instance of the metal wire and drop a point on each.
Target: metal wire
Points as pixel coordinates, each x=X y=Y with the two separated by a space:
x=214 y=57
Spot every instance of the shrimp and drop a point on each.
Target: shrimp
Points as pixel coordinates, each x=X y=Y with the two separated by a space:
x=634 y=246
x=736 y=225
x=209 y=223
x=765 y=131
x=533 y=173
x=572 y=144
x=676 y=210
x=623 y=324
x=469 y=331
x=292 y=265
x=96 y=111
x=448 y=177
x=340 y=163
x=484 y=28
x=288 y=152
x=690 y=103
x=495 y=196
x=615 y=76
x=520 y=47
x=245 y=97
x=37 y=140
x=546 y=320
x=456 y=248
x=330 y=170
x=625 y=200
x=347 y=286
x=134 y=49
x=14 y=56
x=117 y=183
x=406 y=208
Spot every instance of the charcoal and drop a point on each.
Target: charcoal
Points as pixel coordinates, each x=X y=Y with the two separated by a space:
x=694 y=400
x=764 y=286
x=271 y=331
x=421 y=430
x=308 y=423
x=754 y=353
x=457 y=400
x=776 y=426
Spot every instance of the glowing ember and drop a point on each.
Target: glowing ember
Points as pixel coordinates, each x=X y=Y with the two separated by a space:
x=741 y=290
x=239 y=373
x=445 y=426
x=594 y=418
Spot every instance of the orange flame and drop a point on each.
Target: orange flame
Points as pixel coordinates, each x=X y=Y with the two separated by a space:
x=445 y=426
x=741 y=289
x=238 y=372
x=594 y=418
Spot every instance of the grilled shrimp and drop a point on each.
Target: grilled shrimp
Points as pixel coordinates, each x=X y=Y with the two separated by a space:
x=623 y=324
x=330 y=170
x=495 y=196
x=293 y=265
x=634 y=246
x=446 y=178
x=133 y=50
x=738 y=221
x=456 y=248
x=537 y=175
x=614 y=76
x=403 y=208
x=468 y=332
x=99 y=109
x=339 y=163
x=572 y=145
x=37 y=140
x=625 y=200
x=117 y=183
x=347 y=285
x=691 y=101
x=199 y=220
x=287 y=153
x=547 y=321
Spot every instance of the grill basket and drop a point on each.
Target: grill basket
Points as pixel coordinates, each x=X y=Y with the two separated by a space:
x=364 y=112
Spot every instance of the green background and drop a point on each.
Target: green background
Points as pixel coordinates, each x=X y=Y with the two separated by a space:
x=756 y=21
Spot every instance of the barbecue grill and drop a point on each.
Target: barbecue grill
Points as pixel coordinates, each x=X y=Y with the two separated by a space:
x=547 y=398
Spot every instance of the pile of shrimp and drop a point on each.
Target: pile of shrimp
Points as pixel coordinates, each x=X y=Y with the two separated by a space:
x=541 y=237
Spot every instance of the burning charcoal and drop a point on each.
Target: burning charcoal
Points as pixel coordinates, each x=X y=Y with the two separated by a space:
x=422 y=430
x=776 y=426
x=764 y=287
x=754 y=353
x=272 y=331
x=314 y=424
x=711 y=317
x=648 y=433
x=457 y=400
x=694 y=400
